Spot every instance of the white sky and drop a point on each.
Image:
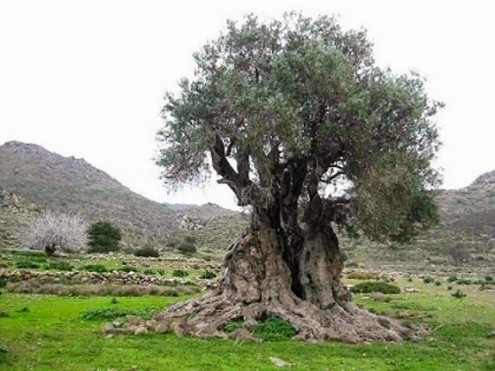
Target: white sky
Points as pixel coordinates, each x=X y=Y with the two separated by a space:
x=86 y=78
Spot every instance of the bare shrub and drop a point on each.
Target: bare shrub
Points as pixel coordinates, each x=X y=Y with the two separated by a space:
x=50 y=231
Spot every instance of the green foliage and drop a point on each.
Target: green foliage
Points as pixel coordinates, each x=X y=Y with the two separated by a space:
x=208 y=275
x=290 y=94
x=3 y=282
x=147 y=252
x=98 y=268
x=428 y=279
x=458 y=294
x=452 y=278
x=375 y=286
x=60 y=266
x=274 y=329
x=106 y=314
x=180 y=273
x=111 y=313
x=188 y=245
x=233 y=325
x=27 y=265
x=103 y=237
x=489 y=279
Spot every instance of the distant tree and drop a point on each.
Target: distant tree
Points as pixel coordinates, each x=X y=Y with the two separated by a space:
x=296 y=118
x=103 y=237
x=50 y=231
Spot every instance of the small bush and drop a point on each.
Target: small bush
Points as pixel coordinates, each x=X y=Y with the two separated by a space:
x=26 y=265
x=274 y=329
x=147 y=252
x=458 y=294
x=3 y=282
x=107 y=314
x=60 y=266
x=98 y=268
x=233 y=325
x=449 y=288
x=452 y=278
x=186 y=248
x=111 y=313
x=160 y=271
x=489 y=279
x=428 y=279
x=149 y=272
x=180 y=273
x=114 y=301
x=438 y=283
x=464 y=281
x=371 y=286
x=208 y=275
x=172 y=242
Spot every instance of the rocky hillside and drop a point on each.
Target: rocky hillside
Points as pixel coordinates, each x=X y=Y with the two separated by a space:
x=30 y=174
x=470 y=210
x=68 y=184
x=14 y=210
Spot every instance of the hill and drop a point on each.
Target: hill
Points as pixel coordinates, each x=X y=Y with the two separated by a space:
x=470 y=210
x=47 y=180
x=68 y=184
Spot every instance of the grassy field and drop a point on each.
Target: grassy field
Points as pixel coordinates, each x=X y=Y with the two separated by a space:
x=47 y=332
x=44 y=332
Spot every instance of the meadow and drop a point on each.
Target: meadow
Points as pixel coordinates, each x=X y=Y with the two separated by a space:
x=64 y=332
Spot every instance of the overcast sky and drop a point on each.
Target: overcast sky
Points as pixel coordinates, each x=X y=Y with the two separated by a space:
x=87 y=78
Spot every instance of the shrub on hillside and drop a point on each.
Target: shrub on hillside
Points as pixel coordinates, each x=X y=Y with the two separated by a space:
x=180 y=273
x=103 y=237
x=208 y=275
x=98 y=268
x=459 y=254
x=375 y=286
x=60 y=266
x=147 y=252
x=188 y=245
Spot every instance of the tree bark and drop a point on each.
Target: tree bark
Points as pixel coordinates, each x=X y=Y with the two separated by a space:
x=258 y=282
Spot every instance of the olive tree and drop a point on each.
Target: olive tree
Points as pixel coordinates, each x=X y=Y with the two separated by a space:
x=296 y=118
x=50 y=231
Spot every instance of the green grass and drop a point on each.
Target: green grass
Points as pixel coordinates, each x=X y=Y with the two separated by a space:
x=53 y=335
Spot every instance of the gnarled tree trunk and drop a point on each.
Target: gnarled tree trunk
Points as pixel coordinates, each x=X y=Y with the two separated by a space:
x=258 y=282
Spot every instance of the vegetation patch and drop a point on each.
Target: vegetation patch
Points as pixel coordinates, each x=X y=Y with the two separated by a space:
x=208 y=275
x=147 y=252
x=98 y=268
x=26 y=265
x=180 y=273
x=375 y=286
x=60 y=266
x=273 y=329
x=32 y=287
x=111 y=313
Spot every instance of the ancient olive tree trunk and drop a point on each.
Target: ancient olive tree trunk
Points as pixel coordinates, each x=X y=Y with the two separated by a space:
x=257 y=283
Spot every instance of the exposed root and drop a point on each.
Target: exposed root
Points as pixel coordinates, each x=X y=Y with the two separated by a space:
x=256 y=284
x=208 y=315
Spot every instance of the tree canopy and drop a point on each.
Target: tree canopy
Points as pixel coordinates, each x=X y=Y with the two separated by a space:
x=286 y=111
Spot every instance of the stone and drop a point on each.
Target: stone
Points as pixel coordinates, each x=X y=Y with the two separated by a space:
x=162 y=328
x=279 y=362
x=140 y=330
